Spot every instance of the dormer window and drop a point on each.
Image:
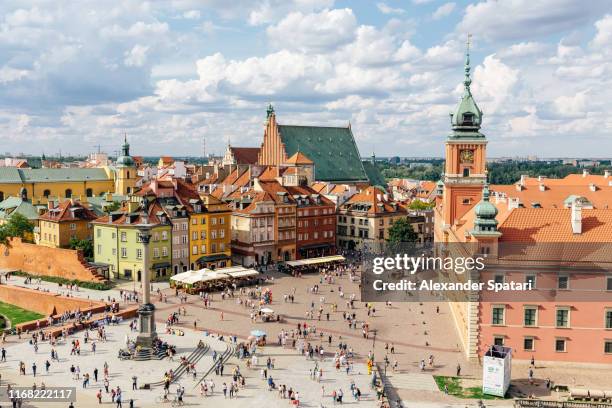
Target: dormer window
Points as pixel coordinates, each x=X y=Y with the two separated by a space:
x=468 y=118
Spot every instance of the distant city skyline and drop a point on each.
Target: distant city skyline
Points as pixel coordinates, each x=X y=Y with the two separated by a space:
x=78 y=75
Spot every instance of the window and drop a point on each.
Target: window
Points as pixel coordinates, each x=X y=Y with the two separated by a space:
x=203 y=234
x=466 y=172
x=530 y=315
x=213 y=247
x=498 y=315
x=114 y=251
x=609 y=319
x=46 y=193
x=139 y=253
x=124 y=252
x=194 y=221
x=499 y=278
x=194 y=250
x=221 y=221
x=528 y=344
x=99 y=249
x=609 y=283
x=164 y=251
x=466 y=201
x=99 y=233
x=498 y=340
x=164 y=235
x=213 y=234
x=123 y=237
x=214 y=221
x=155 y=252
x=560 y=345
x=563 y=282
x=203 y=249
x=608 y=347
x=194 y=235
x=562 y=317
x=72 y=226
x=89 y=192
x=68 y=193
x=221 y=233
x=531 y=279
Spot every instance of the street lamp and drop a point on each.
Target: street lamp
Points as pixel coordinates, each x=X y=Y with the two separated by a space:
x=146 y=311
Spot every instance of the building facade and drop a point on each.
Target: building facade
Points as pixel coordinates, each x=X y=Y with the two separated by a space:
x=63 y=222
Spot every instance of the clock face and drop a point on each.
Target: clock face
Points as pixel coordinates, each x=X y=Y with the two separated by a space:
x=467 y=156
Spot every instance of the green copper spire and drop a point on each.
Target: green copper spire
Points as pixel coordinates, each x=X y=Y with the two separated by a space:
x=125 y=159
x=467 y=117
x=485 y=212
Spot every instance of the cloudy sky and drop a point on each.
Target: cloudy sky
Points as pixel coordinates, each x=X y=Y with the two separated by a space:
x=78 y=74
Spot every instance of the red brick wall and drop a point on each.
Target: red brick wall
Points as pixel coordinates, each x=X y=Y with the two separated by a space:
x=41 y=260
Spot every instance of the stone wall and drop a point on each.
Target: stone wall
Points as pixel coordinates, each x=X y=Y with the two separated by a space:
x=45 y=302
x=41 y=260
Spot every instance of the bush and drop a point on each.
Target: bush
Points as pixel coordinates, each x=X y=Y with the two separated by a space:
x=64 y=281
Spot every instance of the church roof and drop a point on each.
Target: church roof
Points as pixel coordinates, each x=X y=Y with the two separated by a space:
x=245 y=155
x=332 y=149
x=13 y=175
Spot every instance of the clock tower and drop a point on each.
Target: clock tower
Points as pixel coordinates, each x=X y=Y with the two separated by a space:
x=465 y=168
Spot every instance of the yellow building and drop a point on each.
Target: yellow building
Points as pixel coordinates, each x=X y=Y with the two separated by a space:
x=209 y=233
x=63 y=222
x=44 y=184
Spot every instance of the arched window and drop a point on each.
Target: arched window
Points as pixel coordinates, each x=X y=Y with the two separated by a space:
x=68 y=193
x=129 y=190
x=1 y=196
x=46 y=193
x=128 y=174
x=89 y=192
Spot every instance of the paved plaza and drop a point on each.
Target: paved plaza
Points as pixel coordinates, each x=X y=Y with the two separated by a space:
x=412 y=331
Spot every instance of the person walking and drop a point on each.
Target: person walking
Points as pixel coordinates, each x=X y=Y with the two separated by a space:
x=134 y=382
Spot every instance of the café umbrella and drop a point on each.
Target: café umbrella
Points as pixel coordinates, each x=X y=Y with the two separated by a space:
x=258 y=333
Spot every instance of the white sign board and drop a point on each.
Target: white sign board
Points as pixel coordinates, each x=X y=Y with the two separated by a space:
x=496 y=371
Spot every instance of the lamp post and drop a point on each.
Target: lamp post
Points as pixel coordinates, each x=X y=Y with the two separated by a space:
x=146 y=310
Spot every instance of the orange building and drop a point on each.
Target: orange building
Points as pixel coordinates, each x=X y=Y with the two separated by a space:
x=70 y=219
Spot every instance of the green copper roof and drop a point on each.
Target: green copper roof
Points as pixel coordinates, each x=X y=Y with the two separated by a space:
x=15 y=205
x=374 y=175
x=485 y=214
x=467 y=117
x=125 y=160
x=332 y=149
x=12 y=175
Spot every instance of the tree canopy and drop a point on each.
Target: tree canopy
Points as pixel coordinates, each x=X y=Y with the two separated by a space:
x=401 y=231
x=16 y=226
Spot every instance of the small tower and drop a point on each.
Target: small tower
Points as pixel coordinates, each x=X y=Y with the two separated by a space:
x=125 y=173
x=485 y=225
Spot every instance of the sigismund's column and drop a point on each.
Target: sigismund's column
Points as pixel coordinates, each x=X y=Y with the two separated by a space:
x=146 y=310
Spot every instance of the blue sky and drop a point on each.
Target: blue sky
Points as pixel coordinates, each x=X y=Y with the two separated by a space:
x=78 y=74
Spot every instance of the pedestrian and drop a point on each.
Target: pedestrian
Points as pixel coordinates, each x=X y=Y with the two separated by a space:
x=134 y=380
x=458 y=370
x=99 y=396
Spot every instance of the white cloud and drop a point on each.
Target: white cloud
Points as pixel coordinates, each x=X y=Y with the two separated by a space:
x=443 y=11
x=321 y=31
x=192 y=15
x=137 y=56
x=527 y=19
x=494 y=84
x=524 y=49
x=386 y=9
x=8 y=74
x=603 y=38
x=269 y=11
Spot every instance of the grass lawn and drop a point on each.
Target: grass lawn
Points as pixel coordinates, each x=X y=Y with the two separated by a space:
x=18 y=315
x=455 y=389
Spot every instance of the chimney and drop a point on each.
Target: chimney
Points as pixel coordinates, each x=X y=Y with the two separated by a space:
x=585 y=173
x=542 y=187
x=523 y=179
x=607 y=173
x=519 y=187
x=592 y=187
x=540 y=178
x=576 y=217
x=50 y=205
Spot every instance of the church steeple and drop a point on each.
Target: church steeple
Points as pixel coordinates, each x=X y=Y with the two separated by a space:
x=467 y=117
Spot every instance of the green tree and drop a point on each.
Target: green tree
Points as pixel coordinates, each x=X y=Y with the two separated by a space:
x=85 y=245
x=401 y=231
x=419 y=205
x=17 y=226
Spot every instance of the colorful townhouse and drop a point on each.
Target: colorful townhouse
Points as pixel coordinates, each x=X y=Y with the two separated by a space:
x=209 y=233
x=63 y=222
x=117 y=242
